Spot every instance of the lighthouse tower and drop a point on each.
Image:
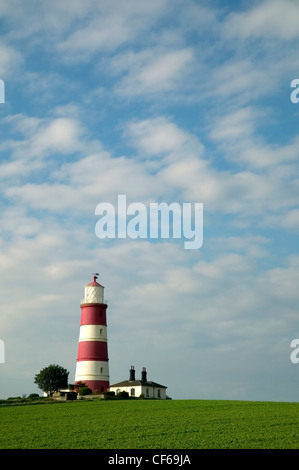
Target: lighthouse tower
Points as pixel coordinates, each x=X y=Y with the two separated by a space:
x=92 y=361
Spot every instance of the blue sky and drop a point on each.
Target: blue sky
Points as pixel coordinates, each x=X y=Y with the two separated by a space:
x=172 y=100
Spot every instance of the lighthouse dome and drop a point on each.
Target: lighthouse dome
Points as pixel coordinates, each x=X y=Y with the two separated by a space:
x=94 y=282
x=93 y=293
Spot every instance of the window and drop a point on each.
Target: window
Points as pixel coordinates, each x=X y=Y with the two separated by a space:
x=159 y=393
x=132 y=392
x=102 y=368
x=147 y=392
x=101 y=331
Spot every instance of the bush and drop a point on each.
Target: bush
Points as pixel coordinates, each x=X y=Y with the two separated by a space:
x=84 y=391
x=72 y=396
x=122 y=394
x=109 y=395
x=33 y=395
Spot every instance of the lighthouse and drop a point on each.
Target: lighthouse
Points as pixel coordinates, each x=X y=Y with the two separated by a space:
x=92 y=360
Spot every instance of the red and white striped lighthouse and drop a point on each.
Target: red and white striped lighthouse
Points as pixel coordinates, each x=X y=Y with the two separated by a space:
x=92 y=361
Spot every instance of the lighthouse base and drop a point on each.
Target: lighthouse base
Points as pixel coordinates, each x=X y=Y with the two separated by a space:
x=95 y=374
x=96 y=386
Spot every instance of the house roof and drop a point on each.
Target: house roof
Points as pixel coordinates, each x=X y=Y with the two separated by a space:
x=134 y=383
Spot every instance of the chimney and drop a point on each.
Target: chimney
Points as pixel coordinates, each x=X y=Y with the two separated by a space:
x=143 y=375
x=132 y=374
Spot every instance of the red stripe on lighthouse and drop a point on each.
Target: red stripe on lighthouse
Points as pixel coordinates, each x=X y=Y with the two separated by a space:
x=92 y=351
x=93 y=314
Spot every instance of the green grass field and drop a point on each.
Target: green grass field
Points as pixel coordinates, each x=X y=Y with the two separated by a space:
x=142 y=424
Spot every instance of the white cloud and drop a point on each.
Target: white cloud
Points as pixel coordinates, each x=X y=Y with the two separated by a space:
x=184 y=167
x=158 y=136
x=44 y=136
x=242 y=191
x=242 y=78
x=235 y=126
x=111 y=25
x=170 y=161
x=153 y=71
x=60 y=135
x=40 y=18
x=57 y=198
x=40 y=140
x=10 y=59
x=270 y=18
x=79 y=186
x=10 y=170
x=291 y=220
x=237 y=135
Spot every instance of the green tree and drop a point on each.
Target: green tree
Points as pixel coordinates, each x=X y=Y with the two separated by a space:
x=52 y=378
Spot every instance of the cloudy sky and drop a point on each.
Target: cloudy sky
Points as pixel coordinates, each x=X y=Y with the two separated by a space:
x=161 y=101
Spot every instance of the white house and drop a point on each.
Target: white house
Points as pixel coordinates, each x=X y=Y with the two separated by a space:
x=135 y=388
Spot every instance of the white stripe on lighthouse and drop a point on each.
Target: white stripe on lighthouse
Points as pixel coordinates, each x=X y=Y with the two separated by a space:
x=93 y=333
x=92 y=370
